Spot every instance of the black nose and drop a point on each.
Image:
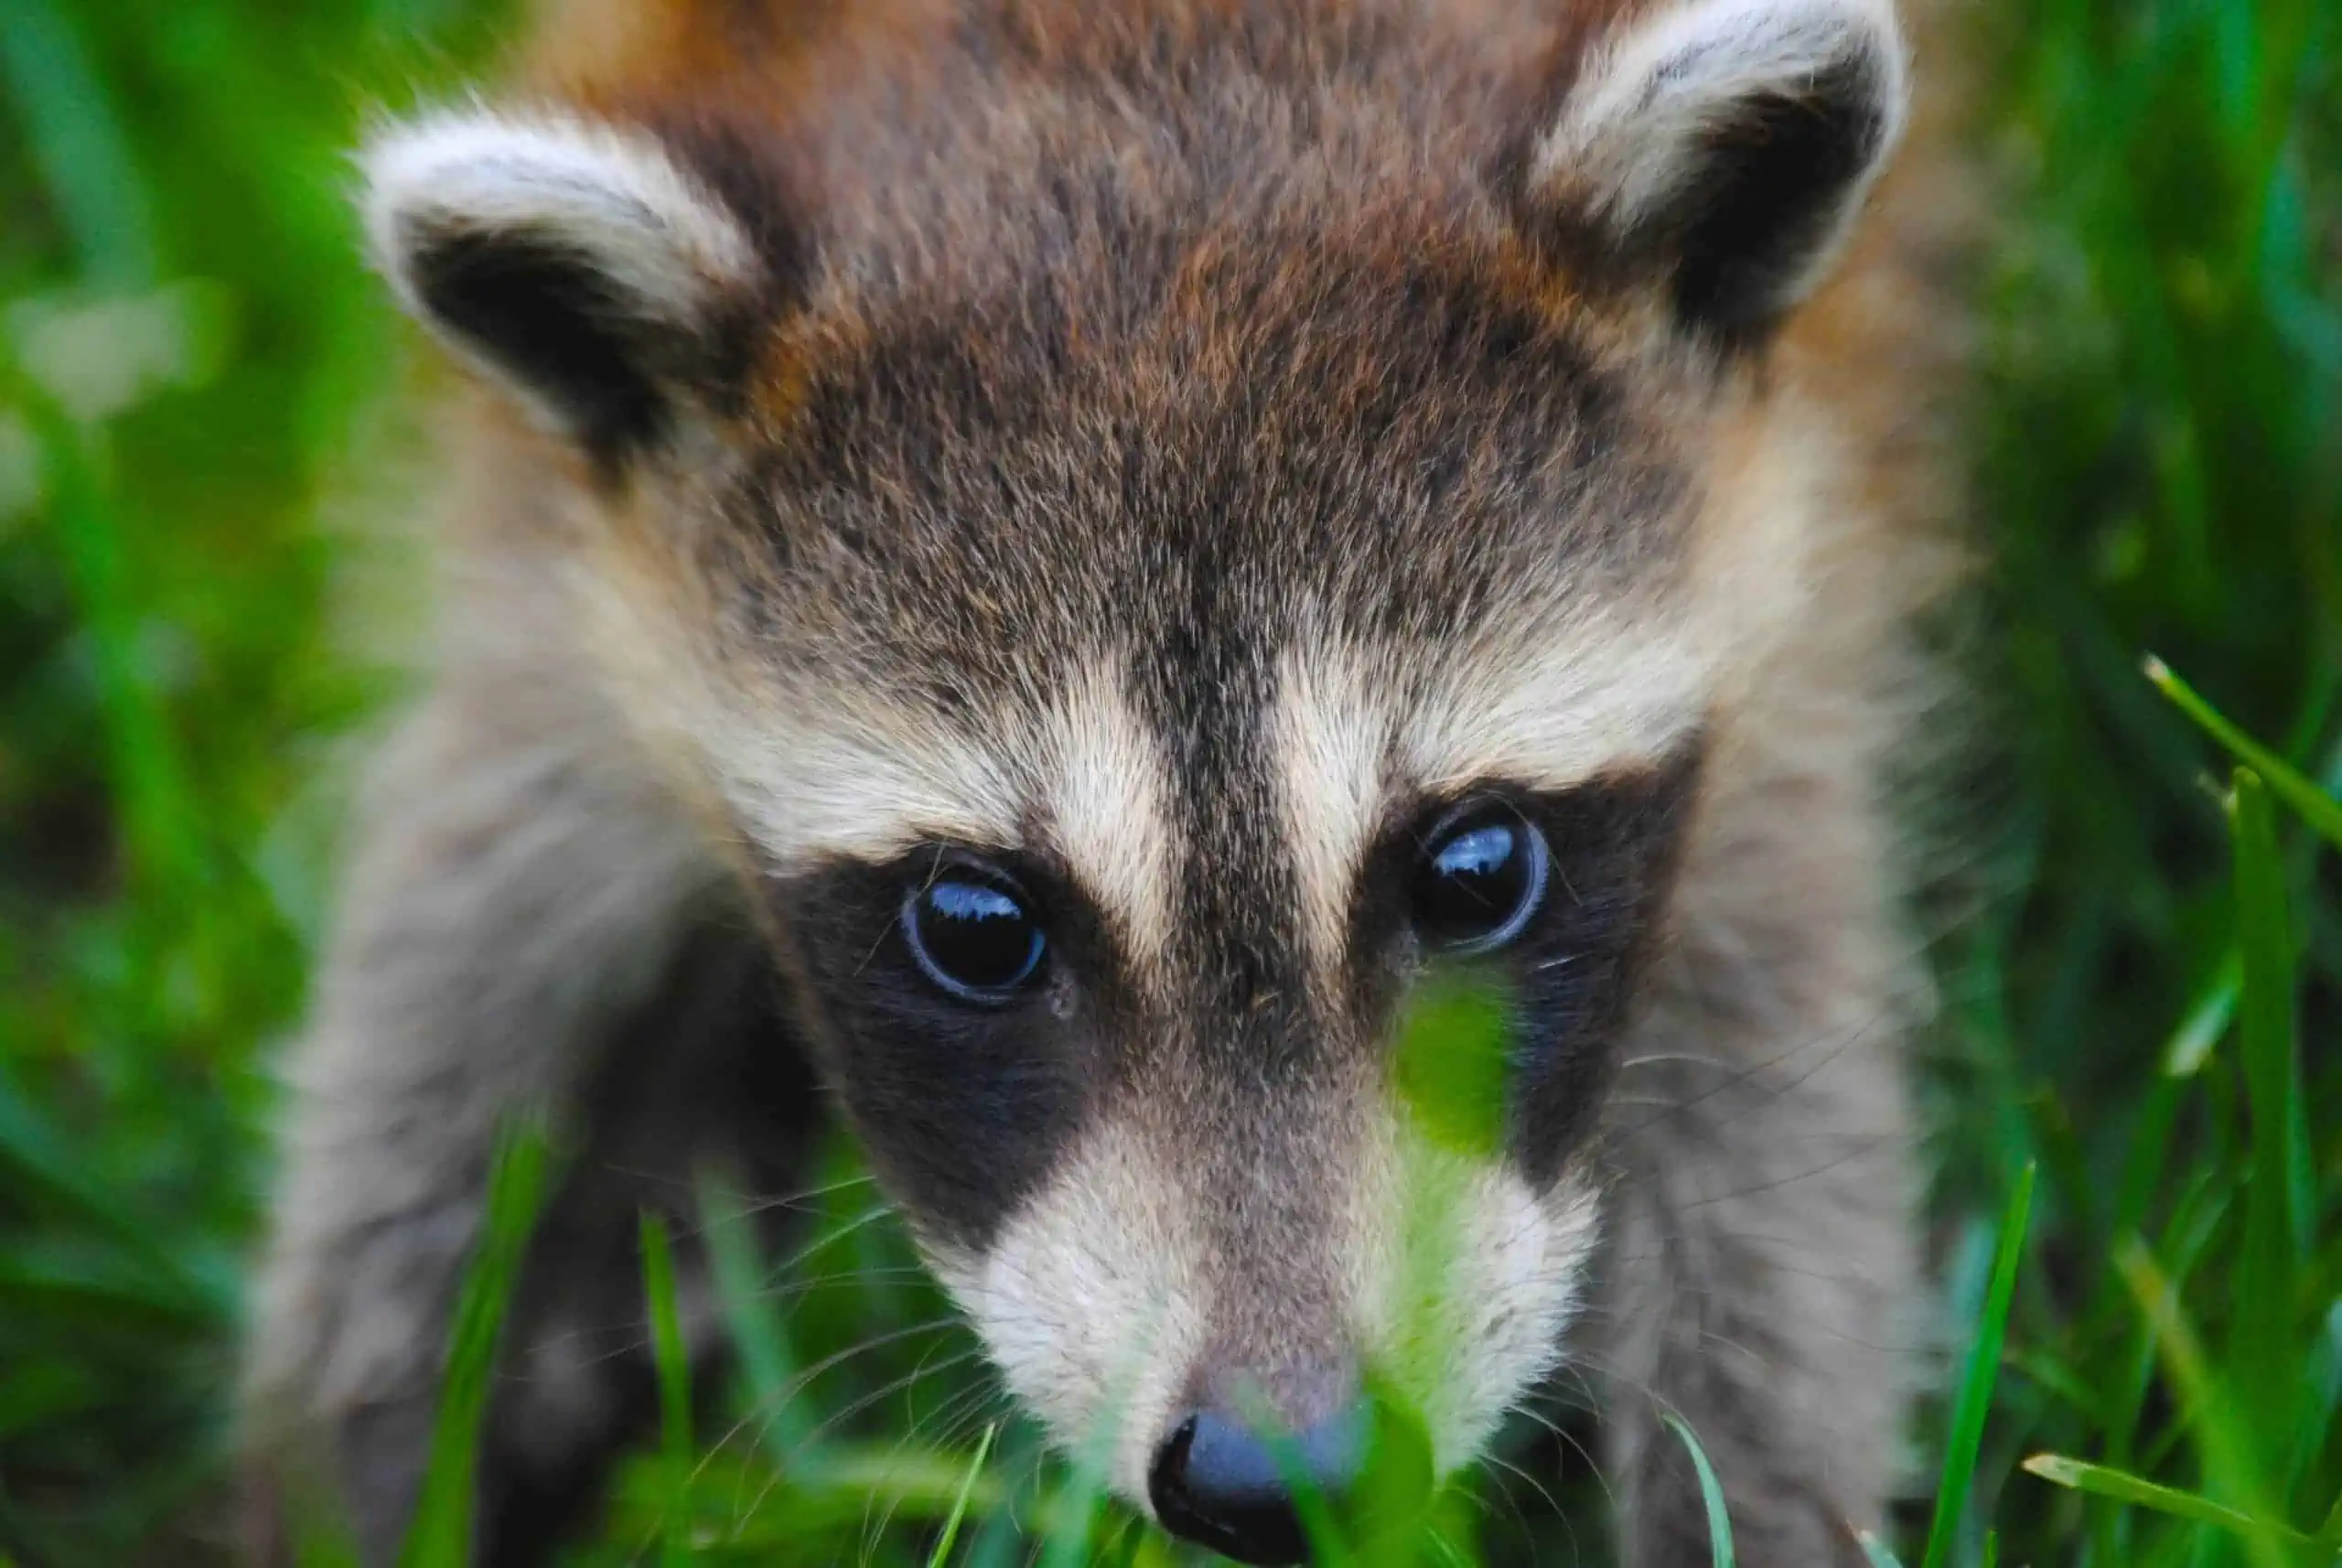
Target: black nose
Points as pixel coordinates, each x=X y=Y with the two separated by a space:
x=1219 y=1483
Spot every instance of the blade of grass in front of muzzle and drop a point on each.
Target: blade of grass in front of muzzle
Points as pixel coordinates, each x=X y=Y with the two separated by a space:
x=673 y=1366
x=1391 y=1508
x=1711 y=1491
x=1449 y=1074
x=1967 y=1432
x=441 y=1535
x=1309 y=1500
x=1452 y=1063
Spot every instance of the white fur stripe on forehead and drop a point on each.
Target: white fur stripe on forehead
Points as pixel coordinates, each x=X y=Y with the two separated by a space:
x=1541 y=710
x=1332 y=732
x=1106 y=803
x=854 y=775
x=864 y=780
x=1548 y=709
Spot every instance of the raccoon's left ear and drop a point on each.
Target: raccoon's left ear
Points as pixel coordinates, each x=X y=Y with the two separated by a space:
x=584 y=267
x=1721 y=148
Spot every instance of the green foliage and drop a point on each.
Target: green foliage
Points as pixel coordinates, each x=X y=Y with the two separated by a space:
x=1975 y=1399
x=1711 y=1492
x=2140 y=968
x=669 y=1359
x=443 y=1523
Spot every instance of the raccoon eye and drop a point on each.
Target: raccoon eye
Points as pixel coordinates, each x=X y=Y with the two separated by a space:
x=972 y=934
x=1481 y=878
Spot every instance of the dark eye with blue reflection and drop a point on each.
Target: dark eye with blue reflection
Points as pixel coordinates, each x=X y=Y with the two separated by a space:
x=1481 y=878
x=972 y=934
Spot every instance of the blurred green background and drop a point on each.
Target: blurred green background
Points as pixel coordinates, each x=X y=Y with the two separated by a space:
x=202 y=567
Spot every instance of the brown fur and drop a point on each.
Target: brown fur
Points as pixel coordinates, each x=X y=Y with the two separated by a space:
x=1385 y=447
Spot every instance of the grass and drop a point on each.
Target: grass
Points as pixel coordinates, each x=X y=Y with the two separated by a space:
x=443 y=1524
x=2143 y=958
x=1711 y=1497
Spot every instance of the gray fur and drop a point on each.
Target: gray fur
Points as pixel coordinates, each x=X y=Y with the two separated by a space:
x=1180 y=480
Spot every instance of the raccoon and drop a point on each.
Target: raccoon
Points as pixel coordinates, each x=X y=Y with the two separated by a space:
x=1025 y=576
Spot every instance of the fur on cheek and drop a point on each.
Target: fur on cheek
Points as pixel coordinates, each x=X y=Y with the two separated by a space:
x=1087 y=1304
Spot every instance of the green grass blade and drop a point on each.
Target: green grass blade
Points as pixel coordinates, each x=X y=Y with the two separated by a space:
x=1711 y=1492
x=2192 y=1043
x=759 y=1335
x=74 y=136
x=2261 y=1354
x=2314 y=805
x=951 y=1533
x=2231 y=1463
x=441 y=1533
x=674 y=1381
x=2100 y=1480
x=1967 y=1432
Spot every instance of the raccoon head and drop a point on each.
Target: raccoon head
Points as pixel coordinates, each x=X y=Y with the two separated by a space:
x=1203 y=555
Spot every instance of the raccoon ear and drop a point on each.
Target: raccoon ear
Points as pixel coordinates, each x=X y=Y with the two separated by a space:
x=1723 y=147
x=580 y=266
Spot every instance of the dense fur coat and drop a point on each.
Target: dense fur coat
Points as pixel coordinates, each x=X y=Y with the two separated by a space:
x=1155 y=464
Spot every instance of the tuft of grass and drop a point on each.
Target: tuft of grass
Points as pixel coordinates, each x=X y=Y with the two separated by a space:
x=1977 y=1384
x=674 y=1375
x=441 y=1533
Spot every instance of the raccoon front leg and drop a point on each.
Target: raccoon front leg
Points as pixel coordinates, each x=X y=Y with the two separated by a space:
x=708 y=1081
x=513 y=892
x=1762 y=1281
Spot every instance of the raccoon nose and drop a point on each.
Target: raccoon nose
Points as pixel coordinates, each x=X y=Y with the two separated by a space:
x=1220 y=1484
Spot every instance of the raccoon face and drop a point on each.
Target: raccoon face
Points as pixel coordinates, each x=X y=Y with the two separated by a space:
x=1208 y=603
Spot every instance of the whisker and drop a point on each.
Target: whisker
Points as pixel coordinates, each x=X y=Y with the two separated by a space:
x=1861 y=1147
x=973 y=1404
x=752 y=1205
x=764 y=1412
x=885 y=1390
x=860 y=1222
x=1831 y=1045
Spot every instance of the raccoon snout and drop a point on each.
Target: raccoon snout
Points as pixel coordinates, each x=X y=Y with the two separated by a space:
x=1218 y=1481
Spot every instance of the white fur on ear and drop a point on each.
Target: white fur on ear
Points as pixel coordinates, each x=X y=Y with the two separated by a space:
x=565 y=257
x=1684 y=108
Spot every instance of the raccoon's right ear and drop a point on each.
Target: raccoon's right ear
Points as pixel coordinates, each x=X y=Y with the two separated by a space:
x=582 y=266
